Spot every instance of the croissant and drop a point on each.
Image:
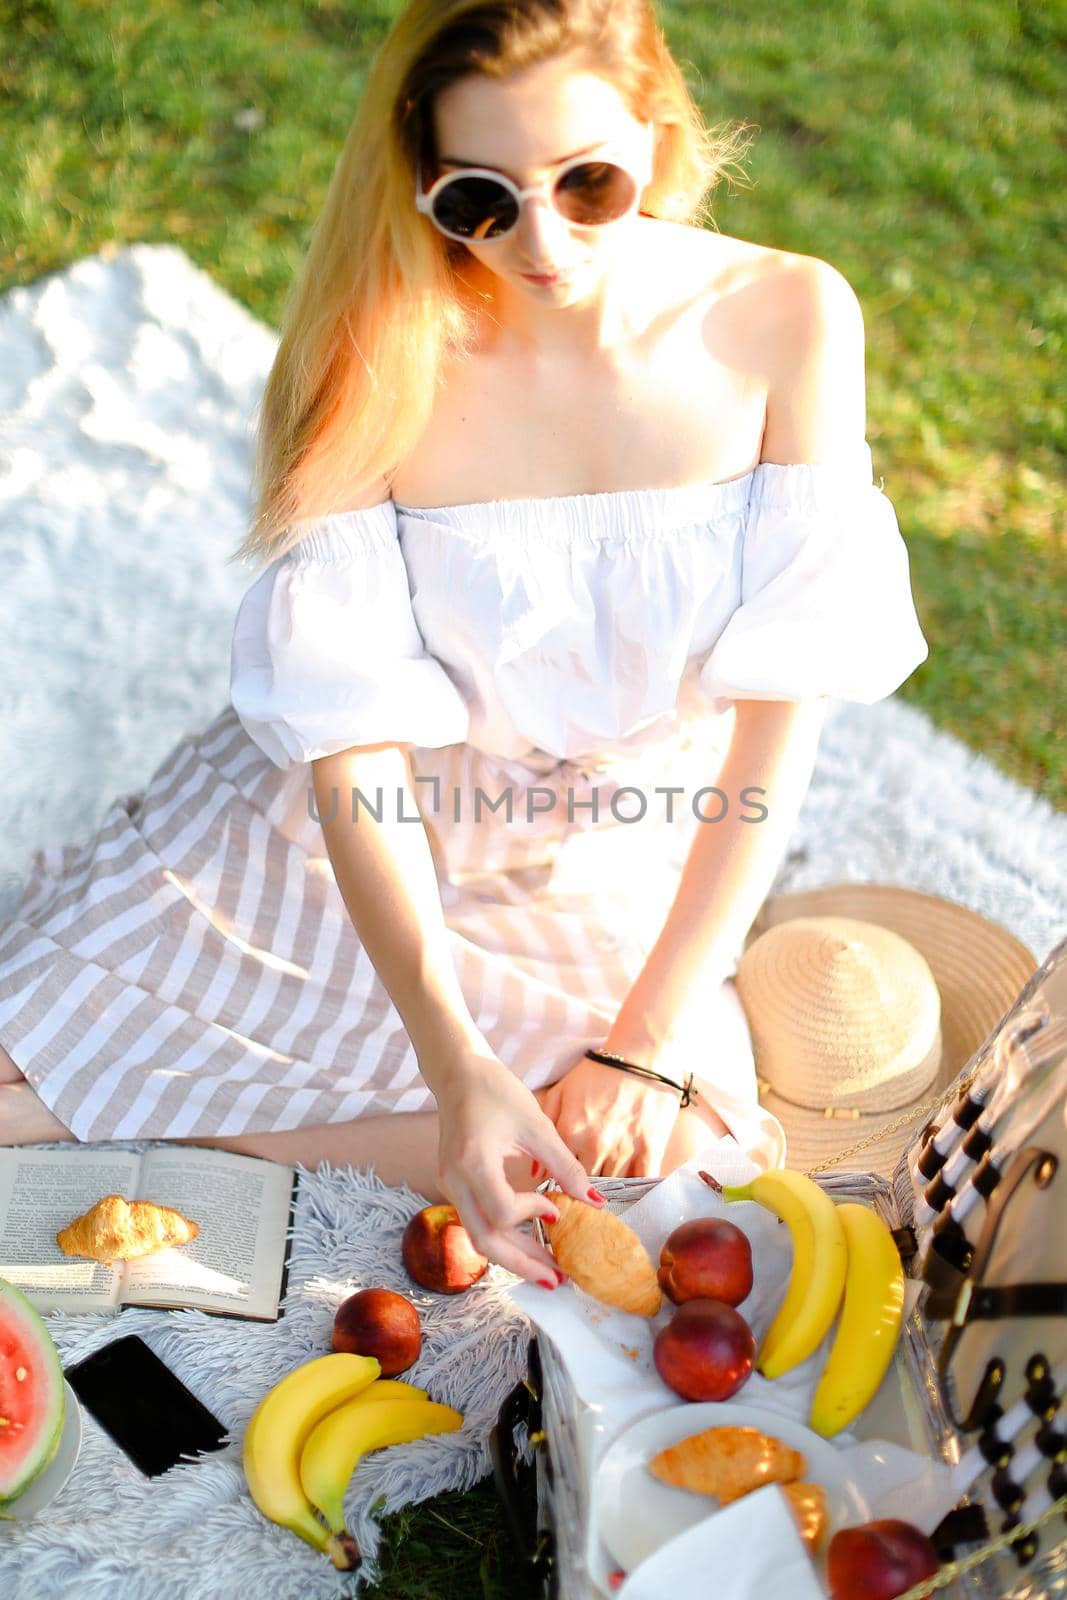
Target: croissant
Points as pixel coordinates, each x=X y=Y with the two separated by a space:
x=727 y=1462
x=116 y=1230
x=807 y=1502
x=603 y=1256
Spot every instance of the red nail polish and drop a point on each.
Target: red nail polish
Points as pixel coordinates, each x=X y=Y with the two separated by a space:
x=595 y=1194
x=559 y=1275
x=535 y=1167
x=546 y=1283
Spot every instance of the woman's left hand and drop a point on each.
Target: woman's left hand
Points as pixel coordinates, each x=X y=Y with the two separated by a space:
x=617 y=1124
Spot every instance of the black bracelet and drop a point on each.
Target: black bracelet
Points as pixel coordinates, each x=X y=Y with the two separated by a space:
x=686 y=1090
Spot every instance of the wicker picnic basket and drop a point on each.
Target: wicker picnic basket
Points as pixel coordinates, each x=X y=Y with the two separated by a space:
x=978 y=1204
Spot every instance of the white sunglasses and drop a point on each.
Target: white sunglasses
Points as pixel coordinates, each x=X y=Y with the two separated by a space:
x=475 y=203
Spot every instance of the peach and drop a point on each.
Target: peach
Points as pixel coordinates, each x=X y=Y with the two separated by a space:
x=879 y=1560
x=706 y=1351
x=381 y=1323
x=706 y=1258
x=438 y=1252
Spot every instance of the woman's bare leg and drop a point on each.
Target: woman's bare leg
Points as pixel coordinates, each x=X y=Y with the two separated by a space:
x=402 y=1147
x=9 y=1073
x=24 y=1117
x=694 y=1128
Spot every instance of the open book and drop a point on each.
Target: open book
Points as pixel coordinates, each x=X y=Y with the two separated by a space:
x=237 y=1266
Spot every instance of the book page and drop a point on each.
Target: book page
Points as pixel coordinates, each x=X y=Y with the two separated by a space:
x=41 y=1191
x=235 y=1263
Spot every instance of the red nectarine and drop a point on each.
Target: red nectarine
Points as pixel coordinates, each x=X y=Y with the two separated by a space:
x=879 y=1560
x=706 y=1351
x=379 y=1322
x=706 y=1258
x=438 y=1252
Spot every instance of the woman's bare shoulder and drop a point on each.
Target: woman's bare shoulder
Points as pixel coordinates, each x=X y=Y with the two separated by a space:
x=773 y=295
x=732 y=264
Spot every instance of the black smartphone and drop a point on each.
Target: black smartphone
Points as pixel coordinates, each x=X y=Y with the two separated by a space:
x=147 y=1410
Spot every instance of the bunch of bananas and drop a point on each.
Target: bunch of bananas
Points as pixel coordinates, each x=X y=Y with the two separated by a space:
x=844 y=1259
x=308 y=1433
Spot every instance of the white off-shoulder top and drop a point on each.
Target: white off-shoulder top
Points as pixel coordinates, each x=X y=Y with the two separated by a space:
x=566 y=623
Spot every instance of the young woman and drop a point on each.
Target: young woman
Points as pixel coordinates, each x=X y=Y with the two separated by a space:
x=562 y=494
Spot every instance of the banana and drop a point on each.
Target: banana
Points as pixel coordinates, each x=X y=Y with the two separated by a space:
x=275 y=1437
x=871 y=1317
x=335 y=1444
x=820 y=1260
x=391 y=1389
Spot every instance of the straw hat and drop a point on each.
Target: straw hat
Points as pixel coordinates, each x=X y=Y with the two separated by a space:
x=864 y=1002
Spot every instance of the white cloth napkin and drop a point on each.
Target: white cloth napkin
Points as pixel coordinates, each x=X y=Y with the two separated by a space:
x=608 y=1355
x=752 y=1547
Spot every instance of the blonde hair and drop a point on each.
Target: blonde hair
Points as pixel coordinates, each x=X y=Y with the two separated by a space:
x=375 y=310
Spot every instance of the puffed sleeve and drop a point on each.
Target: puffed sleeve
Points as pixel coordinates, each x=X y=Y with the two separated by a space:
x=326 y=652
x=826 y=607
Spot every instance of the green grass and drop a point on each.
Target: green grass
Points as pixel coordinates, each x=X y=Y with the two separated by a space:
x=916 y=147
x=453 y=1547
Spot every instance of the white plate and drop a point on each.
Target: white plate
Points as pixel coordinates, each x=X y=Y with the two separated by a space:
x=44 y=1488
x=634 y=1513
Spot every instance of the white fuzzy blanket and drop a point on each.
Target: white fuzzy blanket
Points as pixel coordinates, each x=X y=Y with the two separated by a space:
x=127 y=390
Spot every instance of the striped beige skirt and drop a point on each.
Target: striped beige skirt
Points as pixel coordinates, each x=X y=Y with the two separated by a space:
x=192 y=970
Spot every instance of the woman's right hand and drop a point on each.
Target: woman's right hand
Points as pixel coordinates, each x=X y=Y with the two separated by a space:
x=486 y=1114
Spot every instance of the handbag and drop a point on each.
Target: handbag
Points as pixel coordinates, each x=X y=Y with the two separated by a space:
x=988 y=1192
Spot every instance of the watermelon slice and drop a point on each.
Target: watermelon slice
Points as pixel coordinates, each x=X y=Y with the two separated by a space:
x=32 y=1396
